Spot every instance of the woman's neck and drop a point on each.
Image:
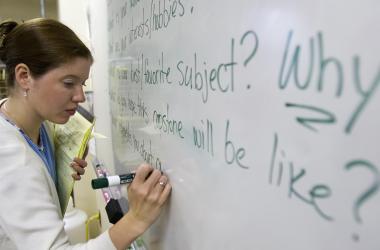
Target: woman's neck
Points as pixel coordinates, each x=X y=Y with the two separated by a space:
x=20 y=113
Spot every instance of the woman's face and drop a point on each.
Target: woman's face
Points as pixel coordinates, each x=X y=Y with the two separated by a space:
x=55 y=95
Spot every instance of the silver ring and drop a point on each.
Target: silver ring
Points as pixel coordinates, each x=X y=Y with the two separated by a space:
x=162 y=183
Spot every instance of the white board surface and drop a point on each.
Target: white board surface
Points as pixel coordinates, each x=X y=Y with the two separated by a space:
x=264 y=115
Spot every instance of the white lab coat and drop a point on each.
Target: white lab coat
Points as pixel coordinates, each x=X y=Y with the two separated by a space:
x=30 y=215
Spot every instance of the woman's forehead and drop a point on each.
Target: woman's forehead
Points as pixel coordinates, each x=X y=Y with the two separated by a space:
x=78 y=67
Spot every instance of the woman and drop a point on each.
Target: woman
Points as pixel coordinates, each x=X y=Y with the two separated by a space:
x=47 y=66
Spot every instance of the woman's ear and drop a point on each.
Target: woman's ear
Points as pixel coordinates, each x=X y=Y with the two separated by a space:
x=23 y=76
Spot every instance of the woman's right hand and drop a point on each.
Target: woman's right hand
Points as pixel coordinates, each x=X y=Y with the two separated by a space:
x=147 y=194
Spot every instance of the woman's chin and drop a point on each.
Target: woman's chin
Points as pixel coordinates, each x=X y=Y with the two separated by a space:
x=60 y=120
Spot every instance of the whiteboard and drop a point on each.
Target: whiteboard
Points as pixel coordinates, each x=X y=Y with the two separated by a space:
x=264 y=115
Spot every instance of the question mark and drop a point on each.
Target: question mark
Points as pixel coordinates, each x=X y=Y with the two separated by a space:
x=256 y=39
x=367 y=194
x=256 y=43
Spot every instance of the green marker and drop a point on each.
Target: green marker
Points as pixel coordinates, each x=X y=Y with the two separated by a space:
x=112 y=180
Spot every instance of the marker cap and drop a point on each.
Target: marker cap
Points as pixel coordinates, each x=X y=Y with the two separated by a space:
x=99 y=183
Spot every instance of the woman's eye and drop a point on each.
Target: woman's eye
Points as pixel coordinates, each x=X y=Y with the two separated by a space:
x=69 y=83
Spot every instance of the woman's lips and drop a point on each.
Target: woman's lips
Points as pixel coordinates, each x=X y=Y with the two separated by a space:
x=71 y=111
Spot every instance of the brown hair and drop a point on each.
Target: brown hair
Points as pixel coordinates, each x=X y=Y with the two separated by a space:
x=42 y=44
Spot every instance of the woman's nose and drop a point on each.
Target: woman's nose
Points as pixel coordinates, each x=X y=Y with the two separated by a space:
x=79 y=95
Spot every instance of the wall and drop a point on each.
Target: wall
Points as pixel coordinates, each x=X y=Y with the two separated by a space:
x=26 y=9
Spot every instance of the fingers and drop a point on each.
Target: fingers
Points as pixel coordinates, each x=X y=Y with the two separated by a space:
x=147 y=194
x=154 y=181
x=162 y=182
x=153 y=178
x=165 y=193
x=162 y=189
x=76 y=176
x=147 y=174
x=78 y=166
x=82 y=163
x=142 y=172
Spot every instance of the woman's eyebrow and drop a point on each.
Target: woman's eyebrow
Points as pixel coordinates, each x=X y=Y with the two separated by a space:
x=72 y=76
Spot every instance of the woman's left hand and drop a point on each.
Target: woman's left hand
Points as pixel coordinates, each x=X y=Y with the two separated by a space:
x=78 y=165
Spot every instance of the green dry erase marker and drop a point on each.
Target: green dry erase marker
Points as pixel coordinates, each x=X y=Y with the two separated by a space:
x=112 y=180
